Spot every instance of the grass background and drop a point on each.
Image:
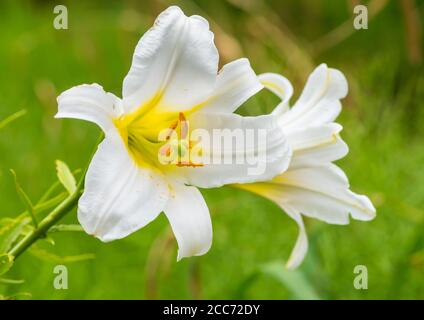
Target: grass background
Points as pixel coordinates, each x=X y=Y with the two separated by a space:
x=382 y=120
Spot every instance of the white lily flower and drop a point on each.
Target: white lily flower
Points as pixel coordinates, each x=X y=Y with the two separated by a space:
x=173 y=78
x=312 y=185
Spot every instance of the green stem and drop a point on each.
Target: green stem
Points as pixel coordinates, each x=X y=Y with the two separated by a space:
x=53 y=217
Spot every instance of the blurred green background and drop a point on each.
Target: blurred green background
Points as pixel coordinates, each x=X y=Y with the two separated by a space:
x=382 y=120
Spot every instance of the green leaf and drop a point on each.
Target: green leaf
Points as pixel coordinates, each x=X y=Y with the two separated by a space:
x=51 y=257
x=10 y=231
x=24 y=198
x=16 y=295
x=49 y=240
x=293 y=280
x=66 y=177
x=50 y=191
x=66 y=227
x=50 y=203
x=12 y=118
x=11 y=281
x=6 y=262
x=5 y=223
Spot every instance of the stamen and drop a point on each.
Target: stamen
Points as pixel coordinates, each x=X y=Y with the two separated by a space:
x=183 y=126
x=189 y=164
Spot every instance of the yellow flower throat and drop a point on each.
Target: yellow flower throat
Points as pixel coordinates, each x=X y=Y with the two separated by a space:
x=154 y=137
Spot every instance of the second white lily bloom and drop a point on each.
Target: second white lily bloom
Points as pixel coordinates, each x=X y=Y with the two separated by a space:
x=312 y=185
x=173 y=77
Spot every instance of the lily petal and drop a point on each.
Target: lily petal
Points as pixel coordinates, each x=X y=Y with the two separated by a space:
x=174 y=66
x=91 y=103
x=235 y=83
x=190 y=220
x=281 y=87
x=119 y=197
x=316 y=145
x=237 y=162
x=322 y=192
x=301 y=247
x=319 y=102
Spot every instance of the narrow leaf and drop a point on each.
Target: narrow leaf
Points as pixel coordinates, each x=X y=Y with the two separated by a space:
x=50 y=191
x=51 y=257
x=10 y=233
x=293 y=280
x=24 y=198
x=15 y=296
x=11 y=281
x=66 y=177
x=48 y=204
x=11 y=118
x=6 y=262
x=66 y=227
